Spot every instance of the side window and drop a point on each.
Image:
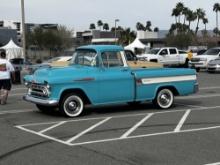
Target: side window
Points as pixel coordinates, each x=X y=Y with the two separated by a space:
x=112 y=59
x=164 y=52
x=173 y=51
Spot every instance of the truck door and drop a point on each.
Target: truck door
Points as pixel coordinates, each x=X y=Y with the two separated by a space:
x=162 y=57
x=116 y=83
x=173 y=56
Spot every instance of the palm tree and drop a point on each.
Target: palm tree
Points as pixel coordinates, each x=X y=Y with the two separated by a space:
x=200 y=15
x=105 y=26
x=140 y=26
x=185 y=12
x=205 y=21
x=175 y=13
x=148 y=26
x=100 y=24
x=92 y=26
x=179 y=7
x=156 y=29
x=216 y=8
x=191 y=16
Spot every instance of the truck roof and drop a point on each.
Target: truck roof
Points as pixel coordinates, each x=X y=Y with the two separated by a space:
x=102 y=47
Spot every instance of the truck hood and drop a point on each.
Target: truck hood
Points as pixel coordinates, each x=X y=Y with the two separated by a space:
x=58 y=74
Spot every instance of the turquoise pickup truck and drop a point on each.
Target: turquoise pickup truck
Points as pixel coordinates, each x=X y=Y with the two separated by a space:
x=99 y=74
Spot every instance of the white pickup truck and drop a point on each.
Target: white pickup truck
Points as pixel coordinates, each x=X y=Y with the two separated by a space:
x=166 y=56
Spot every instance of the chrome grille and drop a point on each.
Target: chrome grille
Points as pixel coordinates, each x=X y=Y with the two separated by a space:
x=38 y=90
x=195 y=59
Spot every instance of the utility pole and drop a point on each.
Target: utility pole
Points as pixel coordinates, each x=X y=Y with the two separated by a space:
x=116 y=20
x=23 y=29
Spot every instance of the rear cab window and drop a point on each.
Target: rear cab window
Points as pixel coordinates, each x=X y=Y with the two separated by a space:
x=173 y=51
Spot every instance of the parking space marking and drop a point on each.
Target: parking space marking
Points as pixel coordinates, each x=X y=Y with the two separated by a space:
x=181 y=122
x=198 y=96
x=132 y=129
x=52 y=127
x=16 y=111
x=207 y=88
x=87 y=130
x=217 y=163
x=125 y=136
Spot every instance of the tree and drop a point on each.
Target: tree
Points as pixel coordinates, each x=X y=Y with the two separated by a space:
x=186 y=10
x=99 y=24
x=190 y=16
x=175 y=13
x=200 y=15
x=105 y=26
x=216 y=8
x=156 y=29
x=140 y=26
x=205 y=21
x=215 y=31
x=148 y=26
x=179 y=8
x=92 y=26
x=127 y=36
x=51 y=39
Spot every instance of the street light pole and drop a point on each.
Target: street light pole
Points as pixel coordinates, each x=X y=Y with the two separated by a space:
x=116 y=20
x=23 y=29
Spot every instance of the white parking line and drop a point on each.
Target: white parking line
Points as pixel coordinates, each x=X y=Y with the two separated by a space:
x=146 y=135
x=132 y=129
x=53 y=126
x=69 y=142
x=181 y=122
x=17 y=94
x=16 y=89
x=16 y=111
x=206 y=88
x=87 y=130
x=198 y=96
x=217 y=163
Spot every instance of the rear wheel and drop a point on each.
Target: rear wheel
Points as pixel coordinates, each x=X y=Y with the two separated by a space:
x=71 y=105
x=164 y=99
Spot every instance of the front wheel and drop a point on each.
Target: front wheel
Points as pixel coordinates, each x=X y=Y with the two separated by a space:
x=71 y=105
x=164 y=99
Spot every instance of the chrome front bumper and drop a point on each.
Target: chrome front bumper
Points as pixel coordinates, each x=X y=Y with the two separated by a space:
x=40 y=101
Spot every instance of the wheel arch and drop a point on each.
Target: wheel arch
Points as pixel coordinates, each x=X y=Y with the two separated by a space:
x=78 y=91
x=170 y=87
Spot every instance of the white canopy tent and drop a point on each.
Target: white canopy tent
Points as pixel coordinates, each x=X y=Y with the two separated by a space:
x=136 y=44
x=12 y=50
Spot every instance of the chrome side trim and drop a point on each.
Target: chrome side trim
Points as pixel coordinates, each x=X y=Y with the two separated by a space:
x=40 y=101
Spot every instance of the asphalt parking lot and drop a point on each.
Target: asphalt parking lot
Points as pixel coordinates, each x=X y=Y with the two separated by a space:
x=187 y=134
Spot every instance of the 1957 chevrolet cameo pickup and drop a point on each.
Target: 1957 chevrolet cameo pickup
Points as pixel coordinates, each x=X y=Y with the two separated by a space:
x=99 y=74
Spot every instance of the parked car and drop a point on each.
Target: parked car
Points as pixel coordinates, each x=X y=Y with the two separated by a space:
x=214 y=65
x=168 y=56
x=56 y=61
x=201 y=61
x=99 y=74
x=133 y=61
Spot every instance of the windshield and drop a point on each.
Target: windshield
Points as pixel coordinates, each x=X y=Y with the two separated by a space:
x=153 y=51
x=84 y=57
x=212 y=52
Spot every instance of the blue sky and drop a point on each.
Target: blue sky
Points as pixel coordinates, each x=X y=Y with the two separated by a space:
x=78 y=14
